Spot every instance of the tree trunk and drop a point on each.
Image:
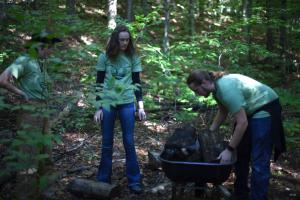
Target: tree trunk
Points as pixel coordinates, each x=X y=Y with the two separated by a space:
x=269 y=34
x=166 y=43
x=201 y=7
x=33 y=4
x=247 y=13
x=145 y=7
x=129 y=10
x=192 y=18
x=282 y=40
x=70 y=7
x=112 y=13
x=2 y=10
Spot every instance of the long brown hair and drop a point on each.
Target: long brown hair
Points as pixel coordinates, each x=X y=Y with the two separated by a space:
x=113 y=46
x=197 y=76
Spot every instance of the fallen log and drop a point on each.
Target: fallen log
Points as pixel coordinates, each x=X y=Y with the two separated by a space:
x=93 y=189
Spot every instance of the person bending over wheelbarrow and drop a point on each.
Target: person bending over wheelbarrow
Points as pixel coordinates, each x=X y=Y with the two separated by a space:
x=258 y=126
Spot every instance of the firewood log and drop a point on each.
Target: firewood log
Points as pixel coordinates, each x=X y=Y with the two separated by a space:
x=93 y=189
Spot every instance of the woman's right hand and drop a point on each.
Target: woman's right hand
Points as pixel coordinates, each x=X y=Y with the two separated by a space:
x=98 y=116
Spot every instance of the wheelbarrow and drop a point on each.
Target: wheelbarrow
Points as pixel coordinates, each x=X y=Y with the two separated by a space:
x=182 y=172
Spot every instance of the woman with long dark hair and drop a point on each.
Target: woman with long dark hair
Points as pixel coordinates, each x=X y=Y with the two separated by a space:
x=121 y=64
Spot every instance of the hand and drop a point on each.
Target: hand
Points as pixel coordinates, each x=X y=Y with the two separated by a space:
x=24 y=96
x=142 y=114
x=98 y=116
x=225 y=157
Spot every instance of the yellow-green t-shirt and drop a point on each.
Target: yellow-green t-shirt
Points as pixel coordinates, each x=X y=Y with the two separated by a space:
x=236 y=91
x=29 y=77
x=118 y=77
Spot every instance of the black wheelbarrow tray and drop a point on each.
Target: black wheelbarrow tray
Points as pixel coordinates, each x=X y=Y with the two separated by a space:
x=199 y=172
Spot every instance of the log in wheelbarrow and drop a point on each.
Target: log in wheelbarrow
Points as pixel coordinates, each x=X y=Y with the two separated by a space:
x=181 y=172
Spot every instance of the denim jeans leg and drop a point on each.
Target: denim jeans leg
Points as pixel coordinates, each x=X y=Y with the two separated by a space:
x=260 y=155
x=242 y=165
x=107 y=127
x=127 y=124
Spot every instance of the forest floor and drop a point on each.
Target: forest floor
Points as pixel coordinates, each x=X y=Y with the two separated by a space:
x=78 y=157
x=285 y=181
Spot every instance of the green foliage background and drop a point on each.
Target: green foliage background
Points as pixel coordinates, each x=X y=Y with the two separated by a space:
x=219 y=44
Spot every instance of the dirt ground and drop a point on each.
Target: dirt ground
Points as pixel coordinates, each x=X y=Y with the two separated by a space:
x=78 y=157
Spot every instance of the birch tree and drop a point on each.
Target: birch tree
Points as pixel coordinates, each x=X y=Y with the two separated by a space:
x=112 y=13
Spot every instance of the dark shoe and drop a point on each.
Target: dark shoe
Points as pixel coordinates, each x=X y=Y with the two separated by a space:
x=136 y=189
x=243 y=196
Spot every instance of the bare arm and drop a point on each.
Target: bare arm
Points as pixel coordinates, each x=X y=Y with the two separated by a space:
x=5 y=78
x=240 y=128
x=219 y=118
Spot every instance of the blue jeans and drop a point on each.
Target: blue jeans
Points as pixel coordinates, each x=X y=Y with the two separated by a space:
x=126 y=115
x=256 y=146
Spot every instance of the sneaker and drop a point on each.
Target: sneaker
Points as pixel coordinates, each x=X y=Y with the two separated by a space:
x=136 y=189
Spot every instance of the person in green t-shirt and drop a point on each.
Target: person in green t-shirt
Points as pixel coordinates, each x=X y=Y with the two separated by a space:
x=26 y=77
x=26 y=72
x=258 y=126
x=118 y=70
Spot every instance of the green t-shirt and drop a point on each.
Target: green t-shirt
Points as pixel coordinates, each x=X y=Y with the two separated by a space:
x=236 y=91
x=118 y=77
x=29 y=77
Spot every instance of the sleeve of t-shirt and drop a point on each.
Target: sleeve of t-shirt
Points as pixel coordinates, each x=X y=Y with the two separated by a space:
x=100 y=66
x=136 y=64
x=17 y=67
x=233 y=100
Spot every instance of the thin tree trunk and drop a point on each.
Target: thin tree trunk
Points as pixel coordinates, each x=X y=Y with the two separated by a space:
x=282 y=40
x=112 y=13
x=2 y=10
x=247 y=13
x=166 y=43
x=33 y=4
x=129 y=10
x=269 y=34
x=200 y=7
x=70 y=6
x=145 y=7
x=192 y=18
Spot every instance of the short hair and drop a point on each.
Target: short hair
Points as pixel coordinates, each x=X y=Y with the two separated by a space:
x=197 y=76
x=45 y=38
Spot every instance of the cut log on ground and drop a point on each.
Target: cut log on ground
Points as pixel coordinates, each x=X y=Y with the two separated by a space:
x=153 y=160
x=93 y=189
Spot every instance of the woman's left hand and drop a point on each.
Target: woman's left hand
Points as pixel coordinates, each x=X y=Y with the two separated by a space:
x=225 y=156
x=142 y=114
